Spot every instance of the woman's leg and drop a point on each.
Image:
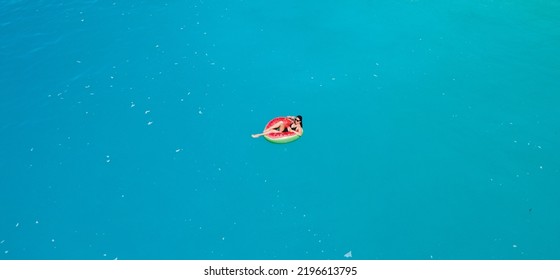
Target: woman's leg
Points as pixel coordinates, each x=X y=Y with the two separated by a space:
x=279 y=126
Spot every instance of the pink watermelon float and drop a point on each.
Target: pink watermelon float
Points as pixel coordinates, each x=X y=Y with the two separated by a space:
x=280 y=137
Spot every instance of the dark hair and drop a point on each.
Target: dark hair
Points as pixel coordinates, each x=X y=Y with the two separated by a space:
x=300 y=120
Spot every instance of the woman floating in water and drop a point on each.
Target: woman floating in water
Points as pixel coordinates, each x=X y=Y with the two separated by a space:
x=289 y=124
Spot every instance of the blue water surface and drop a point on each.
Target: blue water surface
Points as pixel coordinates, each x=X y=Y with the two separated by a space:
x=431 y=129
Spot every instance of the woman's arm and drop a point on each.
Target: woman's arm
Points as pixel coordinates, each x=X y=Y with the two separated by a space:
x=298 y=131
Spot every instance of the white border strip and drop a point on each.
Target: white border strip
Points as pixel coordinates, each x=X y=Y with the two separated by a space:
x=182 y=270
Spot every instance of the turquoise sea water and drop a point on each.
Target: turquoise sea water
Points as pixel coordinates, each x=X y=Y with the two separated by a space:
x=431 y=129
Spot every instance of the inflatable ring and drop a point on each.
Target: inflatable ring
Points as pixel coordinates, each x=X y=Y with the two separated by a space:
x=281 y=137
